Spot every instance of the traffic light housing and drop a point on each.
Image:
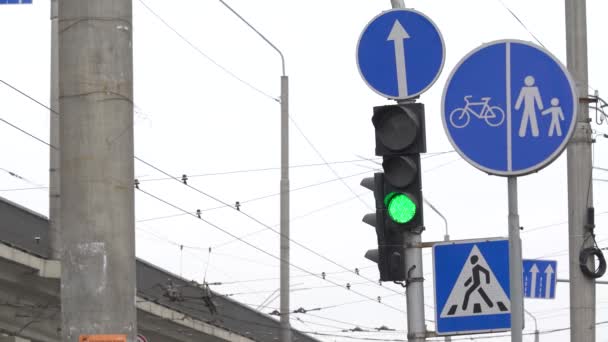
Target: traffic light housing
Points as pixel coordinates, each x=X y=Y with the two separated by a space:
x=390 y=255
x=400 y=138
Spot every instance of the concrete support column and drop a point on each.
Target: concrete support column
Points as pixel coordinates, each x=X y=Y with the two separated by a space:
x=97 y=196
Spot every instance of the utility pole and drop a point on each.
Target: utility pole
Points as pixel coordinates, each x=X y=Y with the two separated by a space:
x=580 y=186
x=97 y=171
x=284 y=189
x=54 y=181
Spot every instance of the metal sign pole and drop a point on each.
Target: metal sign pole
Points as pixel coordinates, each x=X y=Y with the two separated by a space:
x=515 y=264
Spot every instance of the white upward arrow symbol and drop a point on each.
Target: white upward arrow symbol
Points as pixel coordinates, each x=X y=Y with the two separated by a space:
x=533 y=271
x=398 y=35
x=548 y=272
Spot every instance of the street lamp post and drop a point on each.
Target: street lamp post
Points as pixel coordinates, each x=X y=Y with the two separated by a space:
x=284 y=187
x=446 y=237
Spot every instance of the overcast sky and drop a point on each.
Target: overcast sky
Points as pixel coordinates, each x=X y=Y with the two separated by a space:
x=204 y=96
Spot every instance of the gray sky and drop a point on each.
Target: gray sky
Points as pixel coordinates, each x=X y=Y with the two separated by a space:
x=194 y=117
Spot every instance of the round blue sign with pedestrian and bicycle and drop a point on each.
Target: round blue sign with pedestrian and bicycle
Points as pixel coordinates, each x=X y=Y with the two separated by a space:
x=509 y=107
x=400 y=54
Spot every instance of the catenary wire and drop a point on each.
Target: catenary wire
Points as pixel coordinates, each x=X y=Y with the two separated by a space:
x=225 y=204
x=294 y=218
x=428 y=155
x=261 y=223
x=260 y=249
x=252 y=170
x=521 y=22
x=325 y=161
x=147 y=164
x=27 y=133
x=206 y=56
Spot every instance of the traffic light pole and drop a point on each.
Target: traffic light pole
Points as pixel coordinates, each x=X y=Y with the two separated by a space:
x=515 y=264
x=416 y=329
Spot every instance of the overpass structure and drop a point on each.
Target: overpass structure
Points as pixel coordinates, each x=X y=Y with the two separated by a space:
x=169 y=308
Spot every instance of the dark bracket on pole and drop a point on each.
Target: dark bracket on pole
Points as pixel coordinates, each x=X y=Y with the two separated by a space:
x=590 y=225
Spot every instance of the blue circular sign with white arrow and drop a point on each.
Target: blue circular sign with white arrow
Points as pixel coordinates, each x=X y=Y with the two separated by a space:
x=509 y=107
x=400 y=54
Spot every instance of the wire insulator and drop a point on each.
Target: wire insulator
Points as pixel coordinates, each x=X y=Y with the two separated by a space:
x=584 y=257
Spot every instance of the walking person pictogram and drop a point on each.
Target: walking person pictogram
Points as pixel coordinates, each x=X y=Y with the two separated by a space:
x=476 y=279
x=476 y=291
x=529 y=96
x=556 y=115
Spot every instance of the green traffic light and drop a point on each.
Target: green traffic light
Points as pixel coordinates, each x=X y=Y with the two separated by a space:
x=401 y=208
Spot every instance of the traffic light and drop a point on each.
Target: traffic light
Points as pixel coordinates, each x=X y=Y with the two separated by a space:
x=390 y=255
x=400 y=138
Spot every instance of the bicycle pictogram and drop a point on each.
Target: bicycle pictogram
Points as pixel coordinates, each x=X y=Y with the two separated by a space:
x=493 y=115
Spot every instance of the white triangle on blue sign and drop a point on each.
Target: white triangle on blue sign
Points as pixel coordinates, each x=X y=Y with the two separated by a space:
x=476 y=291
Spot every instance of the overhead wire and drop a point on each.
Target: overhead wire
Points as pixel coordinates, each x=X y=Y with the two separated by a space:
x=225 y=204
x=299 y=275
x=206 y=56
x=257 y=221
x=291 y=219
x=521 y=22
x=222 y=173
x=268 y=326
x=182 y=246
x=27 y=133
x=325 y=161
x=290 y=191
x=256 y=198
x=219 y=314
x=260 y=249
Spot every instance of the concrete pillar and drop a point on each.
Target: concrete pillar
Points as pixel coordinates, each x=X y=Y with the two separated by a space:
x=97 y=198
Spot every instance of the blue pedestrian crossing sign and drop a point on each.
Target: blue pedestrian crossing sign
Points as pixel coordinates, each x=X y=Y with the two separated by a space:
x=472 y=286
x=400 y=54
x=540 y=278
x=509 y=108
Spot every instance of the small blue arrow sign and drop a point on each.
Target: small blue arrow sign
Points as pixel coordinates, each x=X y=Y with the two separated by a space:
x=540 y=278
x=400 y=54
x=509 y=108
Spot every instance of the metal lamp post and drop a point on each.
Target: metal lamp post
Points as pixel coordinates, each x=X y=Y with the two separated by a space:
x=284 y=186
